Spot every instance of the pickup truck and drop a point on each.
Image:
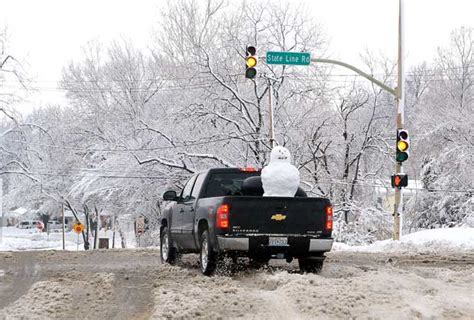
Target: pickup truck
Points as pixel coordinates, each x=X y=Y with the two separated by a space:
x=221 y=212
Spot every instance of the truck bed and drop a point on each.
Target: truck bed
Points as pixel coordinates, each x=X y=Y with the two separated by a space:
x=277 y=215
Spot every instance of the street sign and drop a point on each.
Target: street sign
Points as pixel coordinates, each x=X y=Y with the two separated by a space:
x=290 y=58
x=140 y=225
x=78 y=227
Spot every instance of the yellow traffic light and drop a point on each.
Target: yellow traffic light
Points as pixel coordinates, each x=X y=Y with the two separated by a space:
x=403 y=145
x=250 y=62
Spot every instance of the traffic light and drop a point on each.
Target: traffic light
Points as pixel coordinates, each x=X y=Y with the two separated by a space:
x=250 y=62
x=403 y=145
x=399 y=180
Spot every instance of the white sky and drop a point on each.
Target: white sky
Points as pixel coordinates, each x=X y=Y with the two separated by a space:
x=49 y=33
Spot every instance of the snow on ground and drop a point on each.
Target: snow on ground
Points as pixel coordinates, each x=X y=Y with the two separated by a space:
x=133 y=284
x=430 y=241
x=13 y=239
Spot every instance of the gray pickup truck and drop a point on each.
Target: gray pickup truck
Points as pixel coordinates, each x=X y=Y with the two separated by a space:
x=222 y=212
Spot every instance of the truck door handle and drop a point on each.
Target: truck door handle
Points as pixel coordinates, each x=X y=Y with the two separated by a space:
x=191 y=209
x=181 y=210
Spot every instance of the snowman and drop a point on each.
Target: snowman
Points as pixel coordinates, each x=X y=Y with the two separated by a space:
x=280 y=178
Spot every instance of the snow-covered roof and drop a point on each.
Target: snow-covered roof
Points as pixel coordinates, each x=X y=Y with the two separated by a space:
x=16 y=213
x=69 y=214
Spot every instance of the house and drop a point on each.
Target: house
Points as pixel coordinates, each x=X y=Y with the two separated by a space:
x=13 y=217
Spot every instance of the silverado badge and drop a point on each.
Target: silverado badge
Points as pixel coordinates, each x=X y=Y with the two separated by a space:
x=278 y=217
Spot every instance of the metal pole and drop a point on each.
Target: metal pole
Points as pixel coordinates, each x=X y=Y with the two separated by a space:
x=1 y=210
x=272 y=129
x=358 y=71
x=113 y=231
x=64 y=220
x=398 y=205
x=97 y=228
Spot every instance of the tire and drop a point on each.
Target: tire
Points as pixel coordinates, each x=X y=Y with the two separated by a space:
x=207 y=256
x=310 y=265
x=168 y=253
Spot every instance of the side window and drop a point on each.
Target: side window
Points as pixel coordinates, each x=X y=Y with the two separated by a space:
x=186 y=193
x=198 y=185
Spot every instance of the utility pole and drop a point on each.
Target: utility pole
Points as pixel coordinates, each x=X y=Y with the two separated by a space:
x=400 y=122
x=113 y=231
x=63 y=220
x=270 y=102
x=1 y=210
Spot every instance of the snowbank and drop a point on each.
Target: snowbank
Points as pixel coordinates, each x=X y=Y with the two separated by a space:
x=31 y=239
x=433 y=240
x=14 y=239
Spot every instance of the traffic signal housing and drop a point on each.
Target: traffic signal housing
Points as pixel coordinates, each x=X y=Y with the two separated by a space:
x=250 y=62
x=403 y=145
x=399 y=180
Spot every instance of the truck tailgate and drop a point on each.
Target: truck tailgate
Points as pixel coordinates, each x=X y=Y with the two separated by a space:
x=277 y=215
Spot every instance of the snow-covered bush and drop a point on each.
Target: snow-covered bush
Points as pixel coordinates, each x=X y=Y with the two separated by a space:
x=369 y=225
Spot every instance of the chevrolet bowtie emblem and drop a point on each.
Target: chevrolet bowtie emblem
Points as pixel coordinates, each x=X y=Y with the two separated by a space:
x=278 y=217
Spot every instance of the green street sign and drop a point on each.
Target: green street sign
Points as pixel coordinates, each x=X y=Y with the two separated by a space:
x=292 y=58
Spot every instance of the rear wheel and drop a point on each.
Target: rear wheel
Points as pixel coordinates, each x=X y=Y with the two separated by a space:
x=168 y=253
x=310 y=265
x=207 y=256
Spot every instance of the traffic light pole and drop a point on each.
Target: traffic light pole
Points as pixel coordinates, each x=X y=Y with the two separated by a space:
x=398 y=93
x=400 y=122
x=360 y=72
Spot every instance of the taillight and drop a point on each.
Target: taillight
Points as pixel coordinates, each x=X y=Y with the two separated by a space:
x=248 y=169
x=222 y=216
x=329 y=215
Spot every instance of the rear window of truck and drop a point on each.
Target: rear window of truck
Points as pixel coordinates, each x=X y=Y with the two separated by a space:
x=226 y=183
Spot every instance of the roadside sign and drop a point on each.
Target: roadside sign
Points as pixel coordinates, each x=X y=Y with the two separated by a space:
x=140 y=225
x=290 y=58
x=40 y=225
x=78 y=227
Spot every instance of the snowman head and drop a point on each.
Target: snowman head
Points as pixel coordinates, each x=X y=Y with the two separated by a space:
x=280 y=154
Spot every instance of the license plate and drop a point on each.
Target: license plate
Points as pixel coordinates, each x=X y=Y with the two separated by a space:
x=277 y=241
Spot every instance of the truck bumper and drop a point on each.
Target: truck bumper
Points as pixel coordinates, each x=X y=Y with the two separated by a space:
x=233 y=244
x=320 y=245
x=247 y=244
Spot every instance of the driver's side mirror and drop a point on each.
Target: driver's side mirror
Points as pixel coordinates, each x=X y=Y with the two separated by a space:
x=170 y=195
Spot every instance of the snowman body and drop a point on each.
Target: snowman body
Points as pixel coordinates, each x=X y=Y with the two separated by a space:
x=280 y=178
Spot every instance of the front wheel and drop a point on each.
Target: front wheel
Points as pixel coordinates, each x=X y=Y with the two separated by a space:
x=310 y=265
x=207 y=256
x=168 y=253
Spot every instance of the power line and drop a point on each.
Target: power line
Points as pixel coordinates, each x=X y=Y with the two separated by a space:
x=324 y=182
x=200 y=87
x=97 y=176
x=435 y=77
x=387 y=186
x=127 y=150
x=424 y=72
